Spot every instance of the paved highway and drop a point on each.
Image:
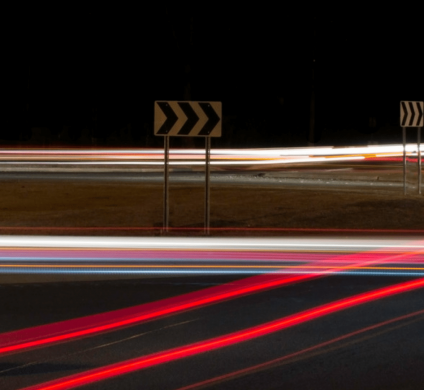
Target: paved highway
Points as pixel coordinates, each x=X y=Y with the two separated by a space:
x=336 y=313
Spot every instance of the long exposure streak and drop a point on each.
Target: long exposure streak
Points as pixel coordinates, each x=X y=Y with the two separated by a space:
x=146 y=312
x=191 y=157
x=289 y=357
x=66 y=330
x=223 y=341
x=217 y=229
x=272 y=267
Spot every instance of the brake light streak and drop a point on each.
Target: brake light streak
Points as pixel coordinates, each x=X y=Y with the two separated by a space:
x=226 y=340
x=29 y=338
x=299 y=354
x=67 y=330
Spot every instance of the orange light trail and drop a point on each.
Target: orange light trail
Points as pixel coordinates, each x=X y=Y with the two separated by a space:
x=294 y=267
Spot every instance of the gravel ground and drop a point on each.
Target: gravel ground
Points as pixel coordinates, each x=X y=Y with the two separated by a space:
x=59 y=207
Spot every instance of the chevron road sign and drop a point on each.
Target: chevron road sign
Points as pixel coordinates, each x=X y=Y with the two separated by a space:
x=188 y=119
x=411 y=114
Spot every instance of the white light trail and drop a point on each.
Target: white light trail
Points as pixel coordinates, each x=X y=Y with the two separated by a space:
x=224 y=157
x=215 y=243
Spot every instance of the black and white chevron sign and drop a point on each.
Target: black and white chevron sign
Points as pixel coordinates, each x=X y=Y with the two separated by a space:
x=411 y=114
x=188 y=119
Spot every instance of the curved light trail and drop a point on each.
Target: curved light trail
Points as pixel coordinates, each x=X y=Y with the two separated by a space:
x=66 y=330
x=324 y=264
x=143 y=362
x=299 y=354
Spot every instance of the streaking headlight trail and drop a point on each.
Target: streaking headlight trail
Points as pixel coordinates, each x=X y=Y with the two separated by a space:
x=213 y=255
x=195 y=157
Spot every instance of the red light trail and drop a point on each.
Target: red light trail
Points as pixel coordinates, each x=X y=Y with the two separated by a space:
x=42 y=335
x=275 y=362
x=216 y=229
x=224 y=341
x=67 y=330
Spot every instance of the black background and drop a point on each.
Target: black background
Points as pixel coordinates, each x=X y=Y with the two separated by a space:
x=65 y=63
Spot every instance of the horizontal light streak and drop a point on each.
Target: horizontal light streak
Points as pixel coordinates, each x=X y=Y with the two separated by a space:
x=267 y=267
x=129 y=261
x=193 y=157
x=213 y=243
x=154 y=359
x=200 y=163
x=258 y=152
x=188 y=272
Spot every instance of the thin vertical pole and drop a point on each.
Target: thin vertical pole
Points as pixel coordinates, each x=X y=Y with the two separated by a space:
x=207 y=184
x=404 y=159
x=419 y=160
x=166 y=186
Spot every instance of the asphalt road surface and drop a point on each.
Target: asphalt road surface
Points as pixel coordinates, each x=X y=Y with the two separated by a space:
x=375 y=344
x=315 y=328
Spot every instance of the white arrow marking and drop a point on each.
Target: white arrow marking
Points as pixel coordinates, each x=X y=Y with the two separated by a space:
x=408 y=114
x=202 y=119
x=182 y=118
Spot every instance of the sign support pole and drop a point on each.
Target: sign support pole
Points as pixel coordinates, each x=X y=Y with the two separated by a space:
x=404 y=159
x=412 y=115
x=187 y=119
x=207 y=183
x=166 y=186
x=419 y=160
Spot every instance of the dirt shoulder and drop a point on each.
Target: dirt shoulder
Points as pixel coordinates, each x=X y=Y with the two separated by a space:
x=76 y=207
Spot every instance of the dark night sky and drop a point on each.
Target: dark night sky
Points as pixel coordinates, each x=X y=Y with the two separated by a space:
x=250 y=58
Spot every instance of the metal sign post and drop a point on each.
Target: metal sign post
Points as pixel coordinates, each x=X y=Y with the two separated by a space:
x=187 y=119
x=404 y=159
x=412 y=115
x=419 y=160
x=207 y=183
x=166 y=186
